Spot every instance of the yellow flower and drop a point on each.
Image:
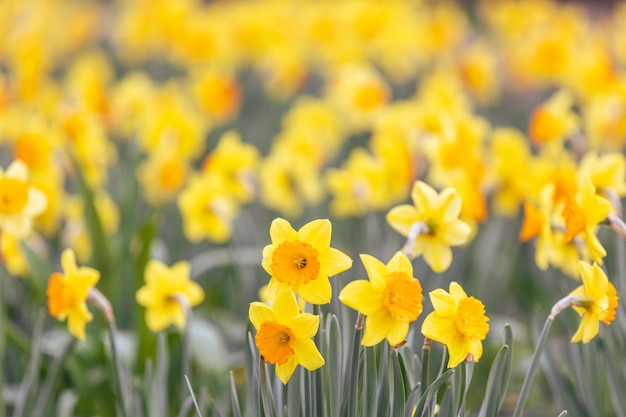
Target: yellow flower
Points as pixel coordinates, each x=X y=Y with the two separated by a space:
x=596 y=301
x=390 y=300
x=582 y=213
x=607 y=172
x=459 y=322
x=20 y=202
x=11 y=255
x=67 y=293
x=165 y=294
x=162 y=175
x=208 y=209
x=554 y=120
x=284 y=335
x=303 y=260
x=217 y=93
x=439 y=213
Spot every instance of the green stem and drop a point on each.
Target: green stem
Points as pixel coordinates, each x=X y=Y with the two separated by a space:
x=532 y=370
x=426 y=363
x=117 y=372
x=41 y=406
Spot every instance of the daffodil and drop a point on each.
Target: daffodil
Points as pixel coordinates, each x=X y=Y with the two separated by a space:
x=20 y=202
x=439 y=213
x=459 y=322
x=582 y=213
x=168 y=295
x=595 y=301
x=390 y=300
x=554 y=120
x=67 y=293
x=303 y=260
x=284 y=335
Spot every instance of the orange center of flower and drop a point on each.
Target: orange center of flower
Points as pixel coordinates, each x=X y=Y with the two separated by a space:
x=275 y=342
x=611 y=294
x=60 y=297
x=533 y=220
x=544 y=126
x=13 y=195
x=32 y=149
x=172 y=175
x=471 y=320
x=402 y=297
x=575 y=219
x=295 y=263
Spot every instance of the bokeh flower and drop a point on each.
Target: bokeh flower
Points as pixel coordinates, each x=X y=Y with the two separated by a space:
x=596 y=301
x=459 y=322
x=284 y=335
x=20 y=202
x=440 y=214
x=67 y=293
x=303 y=260
x=390 y=300
x=168 y=295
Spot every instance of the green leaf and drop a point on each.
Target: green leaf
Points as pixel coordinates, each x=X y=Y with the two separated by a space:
x=234 y=399
x=398 y=398
x=491 y=404
x=430 y=393
x=370 y=381
x=333 y=366
x=382 y=392
x=412 y=400
x=348 y=406
x=38 y=269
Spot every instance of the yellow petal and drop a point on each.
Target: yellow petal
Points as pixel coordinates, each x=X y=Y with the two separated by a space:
x=456 y=291
x=259 y=313
x=476 y=349
x=423 y=195
x=157 y=319
x=304 y=325
x=454 y=233
x=361 y=296
x=281 y=230
x=317 y=233
x=450 y=204
x=402 y=217
x=37 y=203
x=68 y=262
x=438 y=255
x=458 y=348
x=194 y=293
x=286 y=306
x=400 y=263
x=266 y=263
x=284 y=371
x=443 y=303
x=144 y=296
x=333 y=262
x=17 y=170
x=316 y=291
x=307 y=354
x=376 y=271
x=377 y=327
x=397 y=333
x=438 y=328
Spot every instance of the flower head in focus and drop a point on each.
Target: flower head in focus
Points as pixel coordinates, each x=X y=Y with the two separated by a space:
x=168 y=295
x=390 y=300
x=67 y=293
x=303 y=260
x=459 y=322
x=596 y=301
x=20 y=202
x=440 y=214
x=284 y=335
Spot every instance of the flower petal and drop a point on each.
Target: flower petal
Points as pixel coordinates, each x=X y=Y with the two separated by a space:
x=317 y=233
x=450 y=204
x=333 y=262
x=400 y=263
x=443 y=302
x=376 y=271
x=284 y=371
x=286 y=306
x=68 y=262
x=438 y=255
x=259 y=313
x=458 y=348
x=307 y=354
x=454 y=233
x=423 y=196
x=281 y=230
x=377 y=327
x=456 y=291
x=438 y=328
x=402 y=217
x=361 y=296
x=316 y=291
x=305 y=325
x=18 y=170
x=397 y=333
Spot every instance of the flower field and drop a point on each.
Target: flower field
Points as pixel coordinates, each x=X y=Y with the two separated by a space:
x=278 y=208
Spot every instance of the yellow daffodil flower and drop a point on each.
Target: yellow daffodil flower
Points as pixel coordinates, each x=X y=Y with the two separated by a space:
x=303 y=260
x=217 y=93
x=162 y=175
x=582 y=213
x=439 y=213
x=208 y=209
x=596 y=301
x=554 y=120
x=284 y=335
x=168 y=295
x=459 y=322
x=390 y=300
x=607 y=172
x=20 y=202
x=67 y=293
